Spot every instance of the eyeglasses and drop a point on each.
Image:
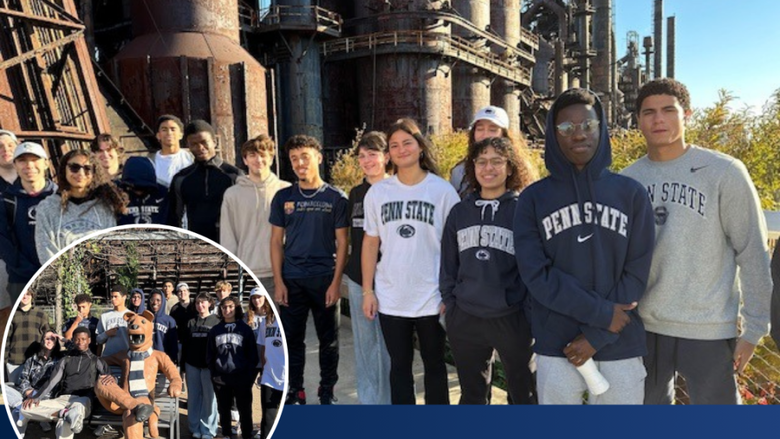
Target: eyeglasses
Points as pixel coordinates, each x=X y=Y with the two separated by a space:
x=495 y=163
x=587 y=126
x=75 y=168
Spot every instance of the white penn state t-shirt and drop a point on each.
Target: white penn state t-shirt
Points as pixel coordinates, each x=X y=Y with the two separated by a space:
x=409 y=221
x=271 y=338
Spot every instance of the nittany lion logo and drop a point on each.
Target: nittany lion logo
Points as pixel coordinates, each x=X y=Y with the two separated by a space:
x=483 y=255
x=405 y=231
x=661 y=214
x=289 y=207
x=277 y=343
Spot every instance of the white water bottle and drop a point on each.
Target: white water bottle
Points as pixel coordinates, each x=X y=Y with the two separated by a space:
x=596 y=382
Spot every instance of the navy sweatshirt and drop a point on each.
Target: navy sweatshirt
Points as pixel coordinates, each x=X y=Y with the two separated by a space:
x=199 y=189
x=231 y=354
x=17 y=240
x=585 y=242
x=478 y=266
x=165 y=336
x=150 y=204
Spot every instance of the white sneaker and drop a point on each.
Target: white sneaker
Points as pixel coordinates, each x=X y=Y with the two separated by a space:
x=75 y=416
x=197 y=435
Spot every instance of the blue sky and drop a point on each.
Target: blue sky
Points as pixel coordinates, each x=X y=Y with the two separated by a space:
x=720 y=44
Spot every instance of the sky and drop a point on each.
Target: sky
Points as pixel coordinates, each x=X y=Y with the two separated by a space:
x=721 y=44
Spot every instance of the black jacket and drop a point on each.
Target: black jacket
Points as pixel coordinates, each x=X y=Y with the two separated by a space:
x=199 y=189
x=76 y=374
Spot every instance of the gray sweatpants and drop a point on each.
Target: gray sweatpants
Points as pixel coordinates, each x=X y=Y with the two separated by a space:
x=559 y=382
x=706 y=365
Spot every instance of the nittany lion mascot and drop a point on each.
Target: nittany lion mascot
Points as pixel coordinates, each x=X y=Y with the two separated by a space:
x=133 y=396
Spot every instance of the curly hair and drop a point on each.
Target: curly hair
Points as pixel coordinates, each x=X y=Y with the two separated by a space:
x=519 y=171
x=100 y=187
x=664 y=86
x=257 y=145
x=427 y=158
x=301 y=141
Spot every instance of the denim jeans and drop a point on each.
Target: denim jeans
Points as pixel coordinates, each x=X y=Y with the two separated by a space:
x=372 y=362
x=201 y=402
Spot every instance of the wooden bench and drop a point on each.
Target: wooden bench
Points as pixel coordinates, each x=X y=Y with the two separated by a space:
x=169 y=409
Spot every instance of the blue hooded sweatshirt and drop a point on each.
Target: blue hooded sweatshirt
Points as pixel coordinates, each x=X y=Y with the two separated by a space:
x=584 y=241
x=142 y=307
x=150 y=206
x=17 y=240
x=165 y=338
x=478 y=266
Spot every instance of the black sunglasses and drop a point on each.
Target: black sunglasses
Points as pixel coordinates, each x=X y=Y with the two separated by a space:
x=75 y=168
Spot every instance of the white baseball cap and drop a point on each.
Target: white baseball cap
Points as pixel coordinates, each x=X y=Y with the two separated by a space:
x=494 y=114
x=258 y=290
x=30 y=148
x=9 y=134
x=182 y=285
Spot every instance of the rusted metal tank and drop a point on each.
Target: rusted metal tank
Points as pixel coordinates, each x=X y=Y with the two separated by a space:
x=470 y=85
x=406 y=84
x=186 y=60
x=505 y=21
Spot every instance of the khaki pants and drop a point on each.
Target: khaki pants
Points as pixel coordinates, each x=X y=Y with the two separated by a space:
x=49 y=409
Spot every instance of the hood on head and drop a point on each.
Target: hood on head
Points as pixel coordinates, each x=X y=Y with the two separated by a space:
x=558 y=165
x=161 y=311
x=141 y=308
x=138 y=172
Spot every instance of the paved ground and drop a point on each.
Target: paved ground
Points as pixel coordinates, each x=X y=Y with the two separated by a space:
x=345 y=389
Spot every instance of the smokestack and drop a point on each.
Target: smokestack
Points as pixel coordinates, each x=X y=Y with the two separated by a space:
x=670 y=47
x=658 y=36
x=647 y=44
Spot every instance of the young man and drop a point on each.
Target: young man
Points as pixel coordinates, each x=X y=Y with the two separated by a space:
x=709 y=228
x=170 y=298
x=585 y=240
x=222 y=289
x=109 y=154
x=76 y=374
x=182 y=311
x=27 y=327
x=147 y=199
x=17 y=215
x=112 y=328
x=84 y=319
x=171 y=158
x=165 y=336
x=198 y=189
x=8 y=142
x=245 y=229
x=310 y=224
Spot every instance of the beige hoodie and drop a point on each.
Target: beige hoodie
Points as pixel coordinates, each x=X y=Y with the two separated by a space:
x=244 y=226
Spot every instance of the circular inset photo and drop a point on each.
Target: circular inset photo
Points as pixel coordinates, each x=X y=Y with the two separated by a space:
x=144 y=331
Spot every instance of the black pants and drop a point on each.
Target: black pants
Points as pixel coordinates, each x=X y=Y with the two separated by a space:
x=707 y=365
x=242 y=393
x=399 y=338
x=272 y=399
x=304 y=295
x=473 y=339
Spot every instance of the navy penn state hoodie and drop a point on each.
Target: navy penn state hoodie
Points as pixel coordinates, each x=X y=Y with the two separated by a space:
x=584 y=242
x=17 y=239
x=165 y=336
x=150 y=204
x=478 y=267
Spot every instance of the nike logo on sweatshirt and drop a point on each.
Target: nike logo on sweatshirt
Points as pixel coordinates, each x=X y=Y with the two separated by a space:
x=581 y=239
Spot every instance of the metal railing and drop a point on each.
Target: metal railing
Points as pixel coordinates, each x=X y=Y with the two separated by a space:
x=445 y=44
x=313 y=16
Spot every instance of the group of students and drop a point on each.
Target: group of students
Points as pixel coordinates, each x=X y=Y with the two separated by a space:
x=642 y=275
x=220 y=349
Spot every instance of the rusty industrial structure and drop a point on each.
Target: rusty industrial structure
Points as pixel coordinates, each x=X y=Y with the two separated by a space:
x=70 y=69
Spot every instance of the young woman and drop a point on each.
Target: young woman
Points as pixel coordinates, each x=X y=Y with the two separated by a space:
x=255 y=318
x=137 y=301
x=372 y=362
x=232 y=358
x=85 y=201
x=271 y=381
x=405 y=217
x=479 y=280
x=489 y=122
x=36 y=371
x=201 y=402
